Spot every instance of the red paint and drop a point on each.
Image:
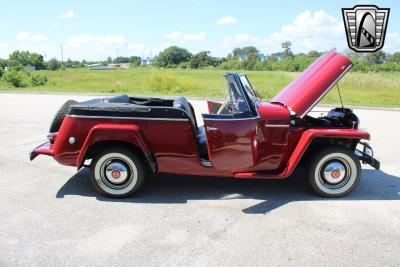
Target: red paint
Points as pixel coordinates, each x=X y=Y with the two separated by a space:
x=45 y=149
x=305 y=91
x=213 y=106
x=263 y=146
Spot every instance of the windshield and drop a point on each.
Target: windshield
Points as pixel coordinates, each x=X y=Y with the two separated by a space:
x=253 y=95
x=237 y=98
x=235 y=102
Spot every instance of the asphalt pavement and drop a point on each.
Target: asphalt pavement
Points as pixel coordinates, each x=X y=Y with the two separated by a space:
x=51 y=216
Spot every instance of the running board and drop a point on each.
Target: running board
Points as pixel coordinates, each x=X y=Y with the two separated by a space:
x=259 y=175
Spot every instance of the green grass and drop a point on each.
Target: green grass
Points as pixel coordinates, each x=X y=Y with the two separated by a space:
x=369 y=89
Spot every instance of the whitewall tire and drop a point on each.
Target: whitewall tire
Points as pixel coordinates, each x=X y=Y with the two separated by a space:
x=116 y=172
x=334 y=172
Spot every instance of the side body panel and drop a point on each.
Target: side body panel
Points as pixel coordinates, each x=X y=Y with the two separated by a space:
x=171 y=142
x=307 y=136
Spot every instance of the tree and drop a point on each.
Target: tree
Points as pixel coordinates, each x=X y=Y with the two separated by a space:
x=377 y=57
x=246 y=53
x=121 y=60
x=287 y=50
x=172 y=56
x=200 y=60
x=25 y=58
x=237 y=52
x=54 y=64
x=135 y=60
x=395 y=58
x=314 y=53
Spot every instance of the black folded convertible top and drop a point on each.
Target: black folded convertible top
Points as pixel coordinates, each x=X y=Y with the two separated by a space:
x=121 y=106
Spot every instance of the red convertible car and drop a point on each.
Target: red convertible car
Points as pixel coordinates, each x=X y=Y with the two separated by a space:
x=120 y=138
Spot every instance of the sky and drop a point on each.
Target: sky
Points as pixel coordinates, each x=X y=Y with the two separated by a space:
x=94 y=30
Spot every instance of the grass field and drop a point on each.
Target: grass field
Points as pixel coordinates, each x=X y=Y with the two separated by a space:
x=368 y=89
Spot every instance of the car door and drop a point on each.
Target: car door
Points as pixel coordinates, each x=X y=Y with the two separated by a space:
x=229 y=142
x=230 y=135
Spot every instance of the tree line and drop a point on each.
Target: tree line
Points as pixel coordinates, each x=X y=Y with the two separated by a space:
x=250 y=58
x=244 y=58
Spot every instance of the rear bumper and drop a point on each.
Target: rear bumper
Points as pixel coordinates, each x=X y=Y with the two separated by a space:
x=43 y=149
x=366 y=155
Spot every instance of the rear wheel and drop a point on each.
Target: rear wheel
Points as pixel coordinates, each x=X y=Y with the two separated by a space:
x=117 y=172
x=334 y=172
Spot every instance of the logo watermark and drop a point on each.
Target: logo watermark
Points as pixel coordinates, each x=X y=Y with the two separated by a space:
x=365 y=27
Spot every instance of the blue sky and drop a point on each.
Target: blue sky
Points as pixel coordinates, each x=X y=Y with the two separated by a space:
x=97 y=29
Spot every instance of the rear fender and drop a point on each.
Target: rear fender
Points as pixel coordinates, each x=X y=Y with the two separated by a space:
x=115 y=132
x=309 y=135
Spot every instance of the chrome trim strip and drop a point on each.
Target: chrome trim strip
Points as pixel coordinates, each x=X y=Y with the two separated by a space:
x=277 y=125
x=326 y=91
x=124 y=118
x=229 y=119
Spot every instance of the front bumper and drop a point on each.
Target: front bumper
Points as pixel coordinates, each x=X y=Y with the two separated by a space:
x=43 y=149
x=366 y=155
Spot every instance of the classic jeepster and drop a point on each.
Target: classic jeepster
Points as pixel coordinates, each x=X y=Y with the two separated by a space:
x=121 y=139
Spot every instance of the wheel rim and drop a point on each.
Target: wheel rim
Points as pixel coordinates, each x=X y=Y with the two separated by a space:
x=335 y=173
x=116 y=173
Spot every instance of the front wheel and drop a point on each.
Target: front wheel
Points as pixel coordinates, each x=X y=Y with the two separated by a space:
x=334 y=172
x=117 y=172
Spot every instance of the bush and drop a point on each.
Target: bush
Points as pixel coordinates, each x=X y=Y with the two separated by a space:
x=16 y=78
x=38 y=80
x=54 y=64
x=163 y=82
x=184 y=65
x=1 y=71
x=230 y=65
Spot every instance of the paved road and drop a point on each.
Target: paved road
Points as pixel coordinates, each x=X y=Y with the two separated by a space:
x=49 y=214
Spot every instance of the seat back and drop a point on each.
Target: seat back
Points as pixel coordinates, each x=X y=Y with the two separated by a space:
x=181 y=103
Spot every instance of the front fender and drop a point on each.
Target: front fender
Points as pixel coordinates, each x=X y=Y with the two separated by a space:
x=113 y=132
x=309 y=135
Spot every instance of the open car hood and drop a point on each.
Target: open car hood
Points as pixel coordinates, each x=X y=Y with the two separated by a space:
x=304 y=92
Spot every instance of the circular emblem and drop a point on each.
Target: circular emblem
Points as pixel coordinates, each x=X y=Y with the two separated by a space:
x=115 y=174
x=335 y=174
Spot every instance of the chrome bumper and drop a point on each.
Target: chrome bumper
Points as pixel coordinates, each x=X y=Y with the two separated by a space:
x=366 y=155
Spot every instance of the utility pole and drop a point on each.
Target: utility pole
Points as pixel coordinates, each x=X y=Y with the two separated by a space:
x=62 y=54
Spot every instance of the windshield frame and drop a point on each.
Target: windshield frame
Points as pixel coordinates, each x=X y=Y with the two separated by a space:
x=253 y=95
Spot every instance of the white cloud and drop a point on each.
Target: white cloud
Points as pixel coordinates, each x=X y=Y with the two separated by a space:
x=243 y=38
x=190 y=37
x=4 y=50
x=226 y=20
x=95 y=40
x=309 y=31
x=184 y=38
x=24 y=36
x=173 y=36
x=95 y=47
x=68 y=15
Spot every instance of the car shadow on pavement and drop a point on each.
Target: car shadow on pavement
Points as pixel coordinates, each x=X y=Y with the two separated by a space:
x=178 y=189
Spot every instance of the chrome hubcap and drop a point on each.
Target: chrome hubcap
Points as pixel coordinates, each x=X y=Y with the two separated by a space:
x=116 y=172
x=334 y=172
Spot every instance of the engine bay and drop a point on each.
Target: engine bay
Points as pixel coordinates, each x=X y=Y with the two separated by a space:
x=337 y=117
